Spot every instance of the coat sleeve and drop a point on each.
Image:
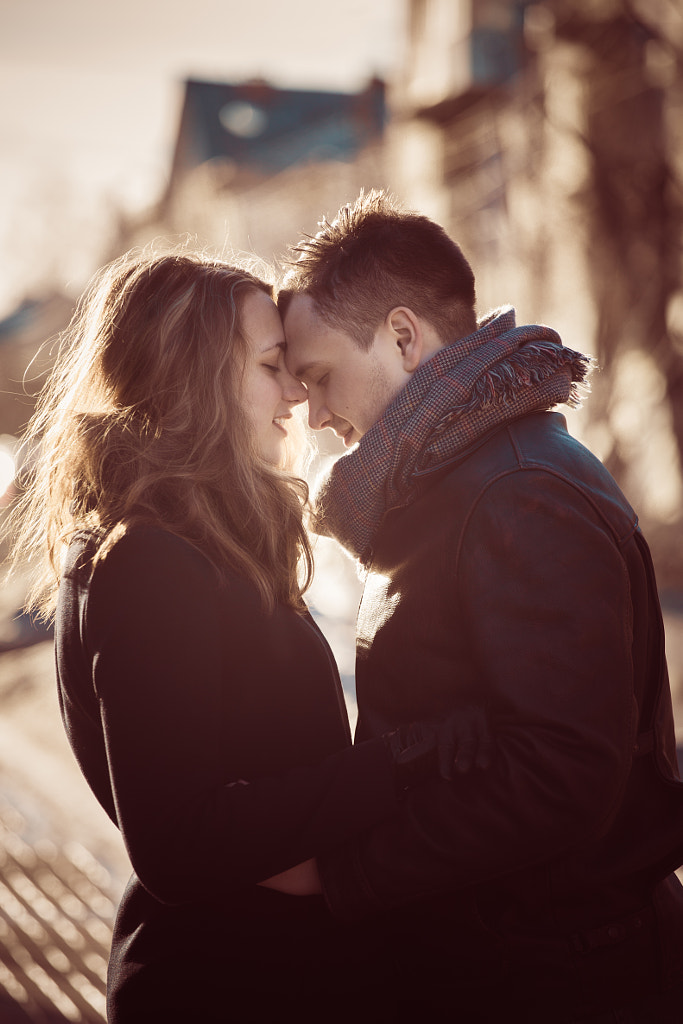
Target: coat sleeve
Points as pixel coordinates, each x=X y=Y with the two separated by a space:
x=156 y=635
x=539 y=585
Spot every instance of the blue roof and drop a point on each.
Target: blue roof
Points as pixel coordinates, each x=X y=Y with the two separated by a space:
x=268 y=129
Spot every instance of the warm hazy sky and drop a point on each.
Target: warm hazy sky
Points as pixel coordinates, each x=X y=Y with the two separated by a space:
x=90 y=94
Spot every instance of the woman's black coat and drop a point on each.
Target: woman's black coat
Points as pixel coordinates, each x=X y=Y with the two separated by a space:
x=174 y=691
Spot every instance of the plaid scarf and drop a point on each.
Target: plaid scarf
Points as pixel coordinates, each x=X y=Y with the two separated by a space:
x=458 y=396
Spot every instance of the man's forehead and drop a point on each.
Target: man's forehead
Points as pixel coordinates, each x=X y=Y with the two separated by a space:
x=303 y=335
x=300 y=311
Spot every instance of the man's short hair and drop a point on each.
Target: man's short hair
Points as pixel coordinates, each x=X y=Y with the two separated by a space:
x=375 y=256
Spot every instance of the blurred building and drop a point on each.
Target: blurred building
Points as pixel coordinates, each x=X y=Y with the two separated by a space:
x=25 y=355
x=459 y=103
x=28 y=338
x=252 y=131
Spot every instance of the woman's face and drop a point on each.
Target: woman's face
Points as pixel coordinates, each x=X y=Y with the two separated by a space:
x=270 y=392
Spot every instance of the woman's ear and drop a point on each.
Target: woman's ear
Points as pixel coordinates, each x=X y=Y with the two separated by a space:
x=406 y=330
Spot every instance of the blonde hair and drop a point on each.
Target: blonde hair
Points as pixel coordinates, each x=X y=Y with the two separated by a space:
x=141 y=422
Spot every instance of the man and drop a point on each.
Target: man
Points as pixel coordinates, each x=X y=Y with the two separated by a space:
x=504 y=566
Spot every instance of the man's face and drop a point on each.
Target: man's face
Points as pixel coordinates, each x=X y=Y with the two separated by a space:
x=348 y=387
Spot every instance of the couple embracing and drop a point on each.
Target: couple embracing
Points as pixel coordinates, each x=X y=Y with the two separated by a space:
x=500 y=840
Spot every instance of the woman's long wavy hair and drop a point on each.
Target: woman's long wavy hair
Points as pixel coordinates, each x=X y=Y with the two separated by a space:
x=141 y=421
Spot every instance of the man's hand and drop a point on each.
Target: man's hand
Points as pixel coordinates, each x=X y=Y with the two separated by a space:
x=421 y=750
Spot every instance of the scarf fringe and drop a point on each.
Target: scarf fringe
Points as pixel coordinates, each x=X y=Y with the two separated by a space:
x=530 y=366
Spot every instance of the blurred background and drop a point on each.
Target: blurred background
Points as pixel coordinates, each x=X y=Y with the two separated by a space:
x=546 y=137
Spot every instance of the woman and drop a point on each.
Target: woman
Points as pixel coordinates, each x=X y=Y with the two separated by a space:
x=201 y=701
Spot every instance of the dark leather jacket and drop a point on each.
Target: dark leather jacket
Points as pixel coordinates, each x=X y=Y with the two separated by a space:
x=519 y=576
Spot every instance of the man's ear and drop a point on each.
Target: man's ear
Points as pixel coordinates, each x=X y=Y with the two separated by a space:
x=408 y=336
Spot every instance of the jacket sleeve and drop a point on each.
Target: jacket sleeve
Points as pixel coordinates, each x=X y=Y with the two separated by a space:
x=156 y=635
x=541 y=588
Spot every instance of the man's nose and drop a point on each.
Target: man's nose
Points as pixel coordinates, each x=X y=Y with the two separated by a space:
x=318 y=414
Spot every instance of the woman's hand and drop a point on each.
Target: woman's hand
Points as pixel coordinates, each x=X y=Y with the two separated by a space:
x=302 y=880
